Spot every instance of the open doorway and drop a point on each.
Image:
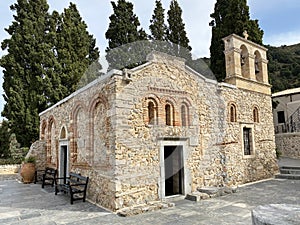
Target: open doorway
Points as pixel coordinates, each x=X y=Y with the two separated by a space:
x=63 y=162
x=174 y=170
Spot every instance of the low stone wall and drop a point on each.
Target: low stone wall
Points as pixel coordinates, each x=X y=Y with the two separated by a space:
x=9 y=169
x=288 y=144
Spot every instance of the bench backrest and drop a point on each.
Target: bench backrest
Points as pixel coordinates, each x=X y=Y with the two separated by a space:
x=51 y=171
x=75 y=178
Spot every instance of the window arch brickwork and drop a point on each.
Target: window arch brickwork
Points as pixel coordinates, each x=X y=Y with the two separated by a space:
x=255 y=112
x=232 y=112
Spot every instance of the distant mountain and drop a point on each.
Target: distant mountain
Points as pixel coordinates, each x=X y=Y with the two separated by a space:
x=284 y=67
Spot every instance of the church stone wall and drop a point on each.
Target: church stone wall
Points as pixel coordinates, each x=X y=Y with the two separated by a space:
x=262 y=164
x=117 y=128
x=213 y=146
x=87 y=117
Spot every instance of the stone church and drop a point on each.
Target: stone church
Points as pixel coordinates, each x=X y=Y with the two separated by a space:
x=161 y=129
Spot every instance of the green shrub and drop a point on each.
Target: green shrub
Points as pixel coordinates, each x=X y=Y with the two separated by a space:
x=30 y=159
x=10 y=161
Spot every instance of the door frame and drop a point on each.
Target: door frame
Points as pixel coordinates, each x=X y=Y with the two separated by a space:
x=186 y=188
x=63 y=144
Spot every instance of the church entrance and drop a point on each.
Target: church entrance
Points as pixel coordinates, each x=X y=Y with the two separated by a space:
x=63 y=163
x=174 y=170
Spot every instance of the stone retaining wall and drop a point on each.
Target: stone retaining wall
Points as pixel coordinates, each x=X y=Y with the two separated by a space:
x=9 y=169
x=288 y=144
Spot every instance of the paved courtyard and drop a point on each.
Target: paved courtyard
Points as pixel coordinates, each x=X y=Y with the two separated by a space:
x=30 y=204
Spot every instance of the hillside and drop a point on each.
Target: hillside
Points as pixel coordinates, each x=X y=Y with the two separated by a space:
x=284 y=67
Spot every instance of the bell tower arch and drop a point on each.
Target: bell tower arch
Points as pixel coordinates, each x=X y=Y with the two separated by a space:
x=246 y=64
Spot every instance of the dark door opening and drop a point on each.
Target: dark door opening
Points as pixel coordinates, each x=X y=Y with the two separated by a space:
x=64 y=162
x=174 y=170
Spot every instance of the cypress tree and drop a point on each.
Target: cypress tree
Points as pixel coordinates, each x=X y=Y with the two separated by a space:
x=75 y=51
x=157 y=27
x=123 y=29
x=25 y=67
x=176 y=33
x=4 y=139
x=230 y=16
x=47 y=55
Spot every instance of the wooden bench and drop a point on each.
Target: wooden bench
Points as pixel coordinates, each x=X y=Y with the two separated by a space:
x=47 y=176
x=75 y=185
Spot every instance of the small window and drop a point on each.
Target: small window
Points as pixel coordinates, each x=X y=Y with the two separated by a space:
x=247 y=135
x=255 y=115
x=168 y=115
x=184 y=115
x=151 y=116
x=151 y=113
x=280 y=117
x=232 y=113
x=63 y=133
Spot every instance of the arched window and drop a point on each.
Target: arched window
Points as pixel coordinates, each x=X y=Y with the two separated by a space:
x=151 y=113
x=232 y=113
x=168 y=114
x=255 y=115
x=63 y=133
x=184 y=115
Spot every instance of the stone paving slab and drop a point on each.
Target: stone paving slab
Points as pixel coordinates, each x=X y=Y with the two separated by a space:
x=30 y=204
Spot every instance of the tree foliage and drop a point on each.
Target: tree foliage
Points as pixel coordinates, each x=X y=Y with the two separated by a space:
x=230 y=16
x=123 y=29
x=176 y=33
x=47 y=55
x=4 y=139
x=158 y=27
x=284 y=67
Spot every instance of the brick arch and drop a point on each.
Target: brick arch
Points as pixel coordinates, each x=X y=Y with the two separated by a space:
x=63 y=134
x=255 y=113
x=79 y=144
x=185 y=117
x=99 y=101
x=232 y=112
x=170 y=111
x=94 y=101
x=150 y=114
x=43 y=129
x=52 y=142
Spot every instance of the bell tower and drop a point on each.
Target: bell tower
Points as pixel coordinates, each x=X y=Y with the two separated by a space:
x=246 y=64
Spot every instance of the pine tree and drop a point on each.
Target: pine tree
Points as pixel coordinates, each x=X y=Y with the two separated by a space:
x=123 y=29
x=230 y=16
x=176 y=33
x=157 y=27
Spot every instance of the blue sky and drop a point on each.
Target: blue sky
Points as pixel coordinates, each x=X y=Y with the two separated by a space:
x=278 y=18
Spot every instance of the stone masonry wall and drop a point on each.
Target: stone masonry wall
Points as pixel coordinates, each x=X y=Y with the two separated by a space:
x=288 y=144
x=84 y=123
x=117 y=129
x=213 y=151
x=262 y=164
